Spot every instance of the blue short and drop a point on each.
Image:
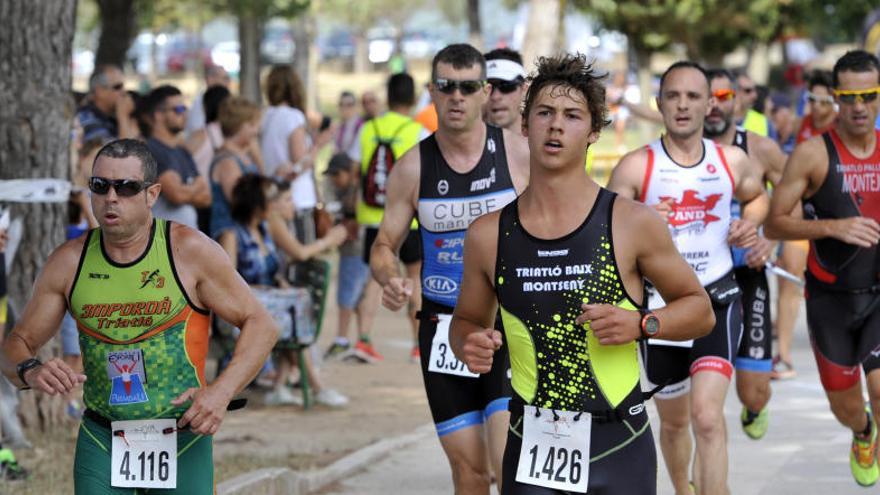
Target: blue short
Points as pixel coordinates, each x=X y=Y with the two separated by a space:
x=353 y=277
x=69 y=336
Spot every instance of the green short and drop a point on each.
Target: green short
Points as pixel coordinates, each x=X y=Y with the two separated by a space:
x=91 y=467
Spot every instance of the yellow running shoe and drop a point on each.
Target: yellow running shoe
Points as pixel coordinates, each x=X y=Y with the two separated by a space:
x=863 y=458
x=755 y=427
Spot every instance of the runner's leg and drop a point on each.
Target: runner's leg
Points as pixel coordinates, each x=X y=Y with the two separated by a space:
x=708 y=390
x=466 y=454
x=675 y=440
x=794 y=260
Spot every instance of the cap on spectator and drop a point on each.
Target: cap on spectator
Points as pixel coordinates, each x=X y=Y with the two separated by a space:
x=338 y=163
x=505 y=70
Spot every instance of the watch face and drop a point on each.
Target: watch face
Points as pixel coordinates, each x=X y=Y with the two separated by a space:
x=652 y=325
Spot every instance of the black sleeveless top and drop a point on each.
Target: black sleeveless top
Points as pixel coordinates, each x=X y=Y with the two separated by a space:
x=540 y=285
x=851 y=188
x=448 y=203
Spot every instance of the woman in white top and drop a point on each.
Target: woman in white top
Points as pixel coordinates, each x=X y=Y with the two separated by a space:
x=287 y=149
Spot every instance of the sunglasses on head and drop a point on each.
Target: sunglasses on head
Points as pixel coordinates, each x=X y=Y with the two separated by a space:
x=724 y=94
x=814 y=98
x=125 y=188
x=178 y=109
x=861 y=95
x=468 y=87
x=505 y=87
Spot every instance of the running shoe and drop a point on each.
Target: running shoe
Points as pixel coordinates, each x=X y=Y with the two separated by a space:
x=331 y=398
x=282 y=396
x=367 y=352
x=336 y=351
x=755 y=427
x=415 y=355
x=9 y=468
x=782 y=370
x=863 y=458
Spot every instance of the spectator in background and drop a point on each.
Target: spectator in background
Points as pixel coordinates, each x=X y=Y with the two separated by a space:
x=107 y=113
x=745 y=114
x=370 y=105
x=183 y=189
x=251 y=248
x=784 y=121
x=354 y=273
x=820 y=105
x=215 y=76
x=350 y=123
x=204 y=143
x=287 y=149
x=239 y=120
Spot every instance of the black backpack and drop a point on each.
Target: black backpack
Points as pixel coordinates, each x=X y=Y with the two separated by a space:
x=379 y=168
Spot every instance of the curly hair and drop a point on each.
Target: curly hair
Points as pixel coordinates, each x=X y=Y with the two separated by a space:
x=570 y=72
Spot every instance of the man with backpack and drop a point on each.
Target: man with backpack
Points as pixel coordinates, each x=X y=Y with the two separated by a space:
x=383 y=140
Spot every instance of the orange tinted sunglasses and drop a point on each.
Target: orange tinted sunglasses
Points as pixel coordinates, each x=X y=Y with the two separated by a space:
x=724 y=94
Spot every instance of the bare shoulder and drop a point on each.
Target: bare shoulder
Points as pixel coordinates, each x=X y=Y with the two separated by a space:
x=637 y=216
x=62 y=264
x=634 y=161
x=194 y=248
x=627 y=175
x=763 y=145
x=408 y=167
x=733 y=154
x=484 y=230
x=516 y=145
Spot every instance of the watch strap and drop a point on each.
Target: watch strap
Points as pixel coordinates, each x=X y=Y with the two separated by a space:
x=25 y=366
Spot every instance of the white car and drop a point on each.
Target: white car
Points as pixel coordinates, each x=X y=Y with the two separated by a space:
x=226 y=55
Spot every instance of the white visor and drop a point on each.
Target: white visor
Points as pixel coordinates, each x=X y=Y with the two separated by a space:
x=506 y=70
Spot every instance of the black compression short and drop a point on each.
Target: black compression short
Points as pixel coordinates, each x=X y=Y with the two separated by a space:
x=673 y=365
x=458 y=402
x=756 y=345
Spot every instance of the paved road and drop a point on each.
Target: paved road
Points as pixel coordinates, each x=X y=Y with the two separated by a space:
x=804 y=453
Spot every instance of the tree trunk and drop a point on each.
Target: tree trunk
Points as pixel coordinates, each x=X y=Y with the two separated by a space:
x=36 y=42
x=305 y=56
x=118 y=29
x=645 y=79
x=361 y=48
x=250 y=32
x=541 y=38
x=475 y=28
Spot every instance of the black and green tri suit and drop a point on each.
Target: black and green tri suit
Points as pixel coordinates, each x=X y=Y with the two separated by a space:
x=557 y=364
x=143 y=343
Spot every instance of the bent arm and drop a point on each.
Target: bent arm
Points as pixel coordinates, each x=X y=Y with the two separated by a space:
x=399 y=211
x=688 y=312
x=797 y=182
x=627 y=176
x=476 y=305
x=42 y=315
x=175 y=190
x=287 y=242
x=220 y=288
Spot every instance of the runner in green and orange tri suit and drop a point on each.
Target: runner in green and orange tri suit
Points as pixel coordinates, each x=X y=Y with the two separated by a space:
x=141 y=290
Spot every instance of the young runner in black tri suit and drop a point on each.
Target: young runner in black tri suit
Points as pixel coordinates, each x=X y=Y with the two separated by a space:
x=562 y=262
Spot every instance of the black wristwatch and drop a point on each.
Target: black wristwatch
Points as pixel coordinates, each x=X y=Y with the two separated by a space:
x=25 y=366
x=649 y=324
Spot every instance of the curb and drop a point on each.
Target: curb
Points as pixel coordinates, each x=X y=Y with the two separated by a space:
x=278 y=480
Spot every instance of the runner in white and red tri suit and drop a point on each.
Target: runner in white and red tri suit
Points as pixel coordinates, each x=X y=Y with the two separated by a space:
x=692 y=181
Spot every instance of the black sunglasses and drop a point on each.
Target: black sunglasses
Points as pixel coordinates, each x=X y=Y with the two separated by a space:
x=118 y=86
x=468 y=87
x=125 y=188
x=506 y=87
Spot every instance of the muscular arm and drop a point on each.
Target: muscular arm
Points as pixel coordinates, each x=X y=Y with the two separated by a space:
x=628 y=175
x=476 y=306
x=43 y=313
x=770 y=155
x=403 y=183
x=750 y=190
x=688 y=311
x=219 y=288
x=804 y=173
